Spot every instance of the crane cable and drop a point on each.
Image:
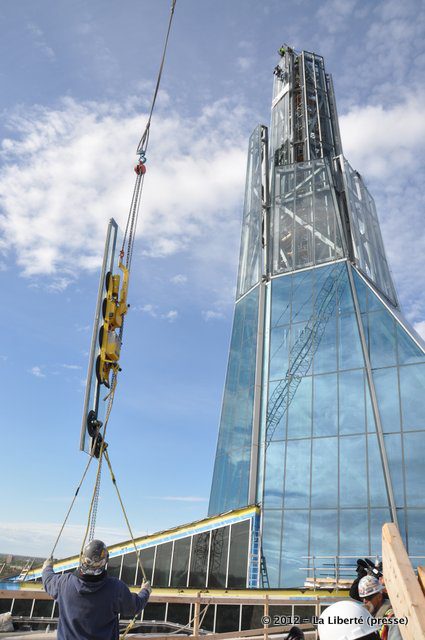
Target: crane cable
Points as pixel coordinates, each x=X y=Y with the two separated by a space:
x=129 y=236
x=142 y=147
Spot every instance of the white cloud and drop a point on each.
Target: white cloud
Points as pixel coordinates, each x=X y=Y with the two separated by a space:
x=37 y=372
x=244 y=63
x=39 y=40
x=385 y=144
x=72 y=367
x=171 y=315
x=150 y=309
x=212 y=315
x=179 y=278
x=36 y=538
x=67 y=171
x=380 y=139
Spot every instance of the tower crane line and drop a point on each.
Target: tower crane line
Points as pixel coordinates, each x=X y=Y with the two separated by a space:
x=110 y=336
x=302 y=352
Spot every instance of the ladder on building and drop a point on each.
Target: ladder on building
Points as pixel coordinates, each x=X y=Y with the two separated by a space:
x=302 y=352
x=25 y=570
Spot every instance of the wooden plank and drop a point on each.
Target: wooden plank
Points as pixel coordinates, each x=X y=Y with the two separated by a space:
x=402 y=586
x=25 y=594
x=250 y=633
x=421 y=578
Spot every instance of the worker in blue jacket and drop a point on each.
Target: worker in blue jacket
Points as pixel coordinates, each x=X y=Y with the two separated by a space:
x=90 y=600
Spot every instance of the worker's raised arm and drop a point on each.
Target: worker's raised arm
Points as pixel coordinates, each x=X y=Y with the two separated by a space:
x=132 y=603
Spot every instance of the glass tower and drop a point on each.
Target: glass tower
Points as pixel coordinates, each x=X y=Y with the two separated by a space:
x=323 y=417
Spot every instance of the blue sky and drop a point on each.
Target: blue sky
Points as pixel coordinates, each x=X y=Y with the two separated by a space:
x=77 y=81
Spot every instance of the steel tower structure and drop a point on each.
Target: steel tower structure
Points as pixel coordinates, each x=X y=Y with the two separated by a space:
x=323 y=417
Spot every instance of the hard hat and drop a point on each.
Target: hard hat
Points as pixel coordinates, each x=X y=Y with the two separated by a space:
x=369 y=585
x=346 y=620
x=94 y=558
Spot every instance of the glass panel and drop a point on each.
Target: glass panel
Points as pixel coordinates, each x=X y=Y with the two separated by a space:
x=299 y=415
x=386 y=385
x=178 y=613
x=294 y=548
x=146 y=558
x=325 y=421
x=414 y=450
x=408 y=350
x=162 y=565
x=22 y=607
x=325 y=353
x=42 y=609
x=5 y=605
x=277 y=410
x=324 y=533
x=250 y=252
x=416 y=519
x=366 y=235
x=227 y=618
x=114 y=566
x=412 y=390
x=279 y=346
x=199 y=560
x=272 y=536
x=378 y=517
x=297 y=480
x=302 y=296
x=352 y=470
x=377 y=491
x=394 y=455
x=382 y=342
x=218 y=558
x=239 y=540
x=354 y=538
x=208 y=621
x=351 y=402
x=154 y=611
x=324 y=488
x=229 y=488
x=281 y=299
x=251 y=617
x=361 y=291
x=350 y=351
x=129 y=566
x=180 y=562
x=273 y=486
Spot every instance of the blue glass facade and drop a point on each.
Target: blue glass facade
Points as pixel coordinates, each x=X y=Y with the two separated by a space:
x=231 y=470
x=323 y=420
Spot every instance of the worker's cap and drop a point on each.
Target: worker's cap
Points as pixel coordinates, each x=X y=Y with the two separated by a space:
x=369 y=586
x=94 y=558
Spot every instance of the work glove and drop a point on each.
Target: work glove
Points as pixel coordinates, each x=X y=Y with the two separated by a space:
x=48 y=563
x=147 y=586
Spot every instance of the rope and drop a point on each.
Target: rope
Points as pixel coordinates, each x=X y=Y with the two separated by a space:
x=70 y=506
x=114 y=482
x=91 y=520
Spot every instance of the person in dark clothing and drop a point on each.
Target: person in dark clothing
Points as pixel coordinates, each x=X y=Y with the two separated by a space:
x=90 y=600
x=364 y=568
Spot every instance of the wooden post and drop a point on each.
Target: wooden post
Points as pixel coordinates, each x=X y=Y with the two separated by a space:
x=196 y=615
x=421 y=578
x=402 y=586
x=266 y=613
